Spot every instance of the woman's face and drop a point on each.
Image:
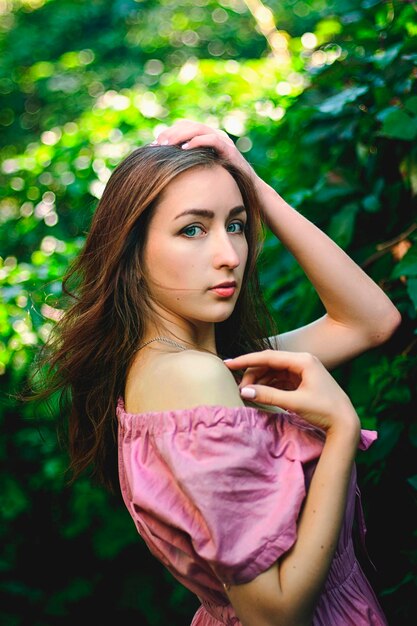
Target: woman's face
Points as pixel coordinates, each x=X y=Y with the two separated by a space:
x=196 y=250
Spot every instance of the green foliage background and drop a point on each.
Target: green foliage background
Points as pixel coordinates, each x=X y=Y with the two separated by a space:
x=329 y=121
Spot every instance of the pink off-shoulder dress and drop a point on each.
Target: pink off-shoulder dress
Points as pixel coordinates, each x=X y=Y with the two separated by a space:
x=215 y=493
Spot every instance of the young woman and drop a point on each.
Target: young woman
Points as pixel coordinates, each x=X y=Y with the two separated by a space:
x=236 y=446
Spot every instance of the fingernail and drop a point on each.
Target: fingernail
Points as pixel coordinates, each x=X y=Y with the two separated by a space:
x=247 y=392
x=165 y=142
x=227 y=360
x=154 y=143
x=185 y=145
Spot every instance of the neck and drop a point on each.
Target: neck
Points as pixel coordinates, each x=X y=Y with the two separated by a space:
x=201 y=338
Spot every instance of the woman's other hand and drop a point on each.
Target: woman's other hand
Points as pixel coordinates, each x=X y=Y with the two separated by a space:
x=296 y=381
x=189 y=134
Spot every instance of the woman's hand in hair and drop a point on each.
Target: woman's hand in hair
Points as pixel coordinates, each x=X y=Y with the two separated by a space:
x=189 y=134
x=298 y=382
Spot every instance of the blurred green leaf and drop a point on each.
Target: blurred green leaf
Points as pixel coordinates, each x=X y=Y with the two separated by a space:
x=342 y=224
x=13 y=499
x=399 y=125
x=336 y=103
x=411 y=104
x=412 y=290
x=413 y=481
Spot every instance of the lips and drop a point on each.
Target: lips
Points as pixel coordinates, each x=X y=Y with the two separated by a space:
x=226 y=285
x=225 y=290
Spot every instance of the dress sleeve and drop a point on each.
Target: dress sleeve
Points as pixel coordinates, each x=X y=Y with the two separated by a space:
x=229 y=481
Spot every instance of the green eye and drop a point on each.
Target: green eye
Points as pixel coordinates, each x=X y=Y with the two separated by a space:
x=192 y=231
x=236 y=227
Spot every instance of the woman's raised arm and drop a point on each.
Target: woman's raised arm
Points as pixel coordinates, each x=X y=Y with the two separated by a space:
x=359 y=315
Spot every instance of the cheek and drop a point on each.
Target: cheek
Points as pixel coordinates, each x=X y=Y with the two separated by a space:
x=166 y=264
x=243 y=255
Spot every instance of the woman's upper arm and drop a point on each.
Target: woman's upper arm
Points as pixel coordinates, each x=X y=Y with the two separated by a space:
x=253 y=601
x=331 y=342
x=257 y=603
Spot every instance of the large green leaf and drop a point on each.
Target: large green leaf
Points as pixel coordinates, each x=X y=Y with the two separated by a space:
x=411 y=104
x=335 y=104
x=342 y=224
x=399 y=125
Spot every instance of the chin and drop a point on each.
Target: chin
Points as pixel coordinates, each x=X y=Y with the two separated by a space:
x=211 y=314
x=215 y=318
x=223 y=316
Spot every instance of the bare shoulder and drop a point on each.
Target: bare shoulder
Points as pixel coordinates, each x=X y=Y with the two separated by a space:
x=183 y=380
x=194 y=364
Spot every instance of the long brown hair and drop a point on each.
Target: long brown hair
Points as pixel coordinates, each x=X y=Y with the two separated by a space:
x=94 y=341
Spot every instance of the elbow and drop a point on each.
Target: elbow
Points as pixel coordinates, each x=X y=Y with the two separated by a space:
x=396 y=320
x=386 y=328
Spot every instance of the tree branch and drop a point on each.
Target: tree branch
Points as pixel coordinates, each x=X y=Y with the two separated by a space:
x=277 y=40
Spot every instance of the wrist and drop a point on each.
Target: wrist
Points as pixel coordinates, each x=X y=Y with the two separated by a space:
x=262 y=187
x=272 y=204
x=345 y=426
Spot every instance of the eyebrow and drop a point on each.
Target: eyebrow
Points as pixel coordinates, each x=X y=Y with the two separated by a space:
x=210 y=214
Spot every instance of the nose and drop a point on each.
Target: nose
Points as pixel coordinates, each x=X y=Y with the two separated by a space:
x=225 y=253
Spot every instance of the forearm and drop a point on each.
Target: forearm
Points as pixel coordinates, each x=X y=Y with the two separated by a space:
x=349 y=295
x=287 y=593
x=303 y=571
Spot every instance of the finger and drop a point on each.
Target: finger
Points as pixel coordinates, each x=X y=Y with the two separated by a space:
x=296 y=362
x=198 y=127
x=278 y=382
x=267 y=378
x=225 y=148
x=184 y=123
x=222 y=147
x=281 y=380
x=183 y=131
x=252 y=375
x=270 y=396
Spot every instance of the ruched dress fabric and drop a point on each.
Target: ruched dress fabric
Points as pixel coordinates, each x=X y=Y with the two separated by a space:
x=215 y=493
